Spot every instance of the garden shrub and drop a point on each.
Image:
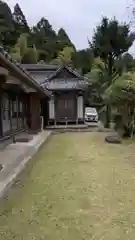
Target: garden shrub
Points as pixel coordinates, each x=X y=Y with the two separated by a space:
x=124 y=129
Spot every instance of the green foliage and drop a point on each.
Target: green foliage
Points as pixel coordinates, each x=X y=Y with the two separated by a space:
x=22 y=44
x=63 y=40
x=65 y=56
x=109 y=42
x=96 y=79
x=122 y=90
x=83 y=59
x=6 y=25
x=30 y=56
x=20 y=22
x=18 y=51
x=45 y=39
x=22 y=53
x=127 y=62
x=47 y=42
x=15 y=54
x=121 y=94
x=111 y=39
x=97 y=76
x=124 y=63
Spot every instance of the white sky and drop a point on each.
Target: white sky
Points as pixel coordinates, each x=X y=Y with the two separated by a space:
x=77 y=17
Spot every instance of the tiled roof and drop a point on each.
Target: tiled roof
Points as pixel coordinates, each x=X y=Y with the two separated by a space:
x=40 y=67
x=7 y=62
x=46 y=74
x=63 y=84
x=54 y=74
x=76 y=82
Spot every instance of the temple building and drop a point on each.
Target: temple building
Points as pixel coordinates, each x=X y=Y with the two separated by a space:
x=20 y=99
x=67 y=88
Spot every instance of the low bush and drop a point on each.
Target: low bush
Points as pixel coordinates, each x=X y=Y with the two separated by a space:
x=125 y=130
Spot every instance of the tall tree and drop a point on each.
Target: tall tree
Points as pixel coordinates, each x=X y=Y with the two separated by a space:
x=121 y=94
x=6 y=26
x=64 y=40
x=20 y=22
x=83 y=60
x=127 y=62
x=110 y=40
x=45 y=39
x=42 y=36
x=64 y=57
x=96 y=79
x=124 y=63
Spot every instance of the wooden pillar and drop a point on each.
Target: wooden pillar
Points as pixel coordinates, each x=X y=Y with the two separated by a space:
x=2 y=80
x=52 y=109
x=26 y=110
x=17 y=108
x=35 y=109
x=23 y=113
x=10 y=114
x=1 y=121
x=80 y=108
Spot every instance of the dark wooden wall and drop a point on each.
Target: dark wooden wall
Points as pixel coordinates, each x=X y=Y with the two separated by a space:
x=66 y=107
x=65 y=74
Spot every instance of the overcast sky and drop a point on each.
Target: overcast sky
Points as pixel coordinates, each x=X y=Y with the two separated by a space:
x=77 y=17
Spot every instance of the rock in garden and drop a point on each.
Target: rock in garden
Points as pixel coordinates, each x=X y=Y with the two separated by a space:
x=1 y=167
x=113 y=139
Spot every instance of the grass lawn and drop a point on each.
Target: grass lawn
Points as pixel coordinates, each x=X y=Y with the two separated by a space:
x=79 y=188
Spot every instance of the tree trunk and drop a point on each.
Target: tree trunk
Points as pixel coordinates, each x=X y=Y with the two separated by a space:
x=108 y=116
x=108 y=108
x=133 y=124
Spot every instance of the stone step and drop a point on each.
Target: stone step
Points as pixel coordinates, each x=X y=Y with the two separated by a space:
x=23 y=138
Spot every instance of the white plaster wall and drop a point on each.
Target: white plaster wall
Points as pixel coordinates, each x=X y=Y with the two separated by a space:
x=80 y=107
x=51 y=109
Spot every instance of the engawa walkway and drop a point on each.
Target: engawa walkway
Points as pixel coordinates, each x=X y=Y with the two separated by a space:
x=14 y=158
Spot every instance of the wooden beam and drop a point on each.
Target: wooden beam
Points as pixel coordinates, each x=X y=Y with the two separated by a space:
x=3 y=71
x=10 y=116
x=17 y=111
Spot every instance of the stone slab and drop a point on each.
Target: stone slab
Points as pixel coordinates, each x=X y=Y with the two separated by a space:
x=15 y=158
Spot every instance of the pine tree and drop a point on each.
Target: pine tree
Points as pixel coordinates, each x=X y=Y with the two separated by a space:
x=6 y=26
x=111 y=39
x=64 y=40
x=20 y=22
x=45 y=38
